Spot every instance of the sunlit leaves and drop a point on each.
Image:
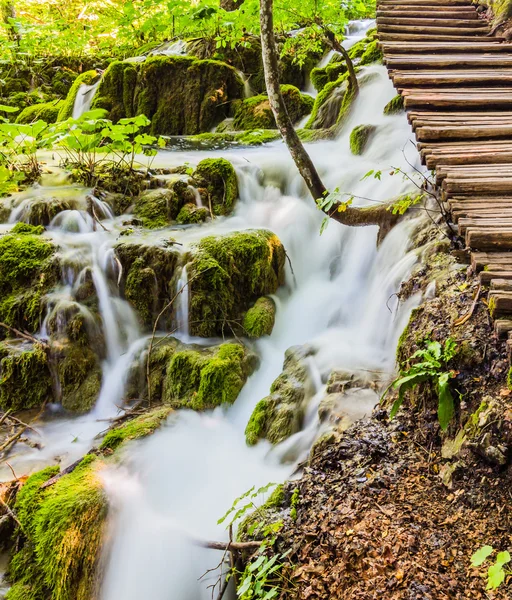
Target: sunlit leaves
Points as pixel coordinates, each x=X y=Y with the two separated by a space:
x=496 y=572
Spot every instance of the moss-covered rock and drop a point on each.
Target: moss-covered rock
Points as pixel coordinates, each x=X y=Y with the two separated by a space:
x=25 y=378
x=360 y=138
x=192 y=214
x=59 y=546
x=281 y=414
x=148 y=273
x=331 y=104
x=394 y=106
x=255 y=112
x=191 y=376
x=228 y=274
x=66 y=108
x=79 y=374
x=154 y=208
x=372 y=54
x=62 y=81
x=137 y=428
x=28 y=271
x=256 y=137
x=259 y=319
x=200 y=379
x=180 y=94
x=46 y=111
x=321 y=76
x=217 y=176
x=40 y=210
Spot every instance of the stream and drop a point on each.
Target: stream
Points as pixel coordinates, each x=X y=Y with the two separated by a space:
x=172 y=487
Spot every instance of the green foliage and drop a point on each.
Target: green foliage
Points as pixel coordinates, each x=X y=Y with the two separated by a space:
x=496 y=572
x=66 y=107
x=430 y=367
x=259 y=319
x=394 y=106
x=91 y=143
x=45 y=111
x=405 y=202
x=236 y=512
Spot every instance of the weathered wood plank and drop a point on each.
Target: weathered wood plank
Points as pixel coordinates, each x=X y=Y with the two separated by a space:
x=433 y=22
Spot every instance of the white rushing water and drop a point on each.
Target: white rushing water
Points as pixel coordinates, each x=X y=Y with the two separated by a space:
x=173 y=486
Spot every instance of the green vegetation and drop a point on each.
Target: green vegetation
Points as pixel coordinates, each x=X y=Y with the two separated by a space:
x=332 y=104
x=431 y=368
x=360 y=137
x=228 y=274
x=25 y=378
x=46 y=111
x=259 y=319
x=137 y=428
x=394 y=106
x=62 y=527
x=496 y=572
x=28 y=270
x=255 y=112
x=218 y=177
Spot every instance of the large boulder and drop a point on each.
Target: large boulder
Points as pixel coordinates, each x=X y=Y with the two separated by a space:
x=45 y=111
x=331 y=104
x=66 y=108
x=227 y=274
x=180 y=94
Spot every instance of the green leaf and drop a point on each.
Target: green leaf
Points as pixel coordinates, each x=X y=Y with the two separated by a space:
x=495 y=576
x=445 y=410
x=325 y=223
x=503 y=558
x=481 y=555
x=257 y=563
x=8 y=109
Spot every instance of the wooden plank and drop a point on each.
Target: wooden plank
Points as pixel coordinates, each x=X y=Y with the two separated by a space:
x=477 y=60
x=465 y=223
x=503 y=284
x=433 y=22
x=435 y=3
x=451 y=77
x=429 y=30
x=489 y=239
x=423 y=13
x=459 y=100
x=468 y=132
x=500 y=302
x=502 y=327
x=479 y=260
x=426 y=47
x=383 y=36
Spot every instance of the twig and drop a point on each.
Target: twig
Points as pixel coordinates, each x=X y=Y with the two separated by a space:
x=10 y=512
x=5 y=415
x=228 y=545
x=11 y=441
x=20 y=422
x=56 y=478
x=25 y=335
x=12 y=470
x=466 y=317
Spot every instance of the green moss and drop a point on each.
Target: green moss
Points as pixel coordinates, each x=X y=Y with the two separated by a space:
x=253 y=526
x=394 y=106
x=331 y=104
x=259 y=319
x=63 y=527
x=66 y=108
x=280 y=414
x=79 y=375
x=359 y=138
x=27 y=273
x=153 y=208
x=180 y=94
x=316 y=135
x=47 y=112
x=191 y=213
x=25 y=379
x=256 y=137
x=321 y=76
x=148 y=273
x=372 y=54
x=63 y=80
x=135 y=429
x=21 y=228
x=227 y=274
x=255 y=112
x=358 y=49
x=509 y=379
x=203 y=379
x=218 y=177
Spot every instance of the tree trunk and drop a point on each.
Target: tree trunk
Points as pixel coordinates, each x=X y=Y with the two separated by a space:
x=372 y=215
x=337 y=47
x=8 y=12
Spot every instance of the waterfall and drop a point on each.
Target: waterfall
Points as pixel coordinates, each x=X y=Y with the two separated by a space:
x=173 y=486
x=84 y=98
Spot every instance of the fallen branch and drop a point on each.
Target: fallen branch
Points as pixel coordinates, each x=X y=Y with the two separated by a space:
x=11 y=441
x=25 y=335
x=466 y=317
x=20 y=422
x=10 y=512
x=56 y=478
x=228 y=546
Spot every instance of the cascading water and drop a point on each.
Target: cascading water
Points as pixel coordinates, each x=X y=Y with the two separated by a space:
x=84 y=98
x=174 y=486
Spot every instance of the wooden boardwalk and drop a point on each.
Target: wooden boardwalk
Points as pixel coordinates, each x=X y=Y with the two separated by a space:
x=456 y=81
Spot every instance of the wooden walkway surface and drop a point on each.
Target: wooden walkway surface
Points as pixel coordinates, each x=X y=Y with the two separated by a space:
x=456 y=81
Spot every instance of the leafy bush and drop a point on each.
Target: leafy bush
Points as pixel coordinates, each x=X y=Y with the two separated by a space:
x=431 y=367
